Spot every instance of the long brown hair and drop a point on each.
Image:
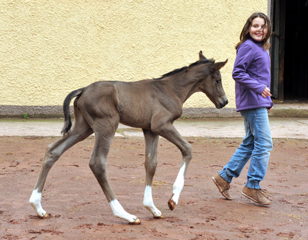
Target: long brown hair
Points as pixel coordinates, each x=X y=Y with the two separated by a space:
x=245 y=31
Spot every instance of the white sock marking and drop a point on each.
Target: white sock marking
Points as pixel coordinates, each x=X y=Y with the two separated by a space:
x=35 y=201
x=148 y=202
x=178 y=184
x=119 y=211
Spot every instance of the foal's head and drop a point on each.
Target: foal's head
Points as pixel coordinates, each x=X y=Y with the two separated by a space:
x=210 y=80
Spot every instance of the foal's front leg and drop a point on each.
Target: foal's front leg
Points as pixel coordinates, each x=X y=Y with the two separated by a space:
x=168 y=131
x=151 y=140
x=98 y=165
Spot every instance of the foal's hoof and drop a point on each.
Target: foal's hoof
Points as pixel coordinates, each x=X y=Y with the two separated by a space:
x=158 y=217
x=136 y=222
x=45 y=216
x=171 y=204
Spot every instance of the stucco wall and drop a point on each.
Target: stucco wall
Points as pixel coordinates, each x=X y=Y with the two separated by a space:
x=49 y=48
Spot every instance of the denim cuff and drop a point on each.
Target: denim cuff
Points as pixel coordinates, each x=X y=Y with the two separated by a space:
x=253 y=184
x=223 y=174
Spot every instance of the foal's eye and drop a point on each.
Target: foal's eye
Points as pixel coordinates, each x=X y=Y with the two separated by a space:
x=218 y=81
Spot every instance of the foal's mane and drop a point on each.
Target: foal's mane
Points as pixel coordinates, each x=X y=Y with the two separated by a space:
x=199 y=62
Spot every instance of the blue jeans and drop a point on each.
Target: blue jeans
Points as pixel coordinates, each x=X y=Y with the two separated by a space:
x=256 y=146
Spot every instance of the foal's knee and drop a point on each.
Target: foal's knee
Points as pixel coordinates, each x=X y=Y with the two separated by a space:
x=150 y=161
x=97 y=166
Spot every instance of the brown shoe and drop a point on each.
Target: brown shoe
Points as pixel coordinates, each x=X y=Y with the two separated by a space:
x=256 y=195
x=222 y=185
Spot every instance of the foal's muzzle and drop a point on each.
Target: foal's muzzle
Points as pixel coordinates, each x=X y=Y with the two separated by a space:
x=222 y=102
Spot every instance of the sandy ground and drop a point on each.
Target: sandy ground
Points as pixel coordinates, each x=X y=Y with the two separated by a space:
x=79 y=210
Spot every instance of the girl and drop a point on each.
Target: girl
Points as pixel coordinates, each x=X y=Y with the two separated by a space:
x=253 y=100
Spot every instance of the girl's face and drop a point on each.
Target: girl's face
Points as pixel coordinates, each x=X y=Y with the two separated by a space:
x=258 y=29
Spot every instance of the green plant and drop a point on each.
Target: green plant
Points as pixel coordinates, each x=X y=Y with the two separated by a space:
x=26 y=116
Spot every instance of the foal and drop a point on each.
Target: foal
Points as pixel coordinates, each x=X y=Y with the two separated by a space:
x=152 y=105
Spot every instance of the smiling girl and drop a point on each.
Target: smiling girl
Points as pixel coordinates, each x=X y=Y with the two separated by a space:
x=252 y=77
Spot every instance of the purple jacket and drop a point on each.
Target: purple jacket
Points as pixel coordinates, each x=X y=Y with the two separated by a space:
x=252 y=74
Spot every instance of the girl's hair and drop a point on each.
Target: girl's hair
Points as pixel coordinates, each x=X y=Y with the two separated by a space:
x=245 y=31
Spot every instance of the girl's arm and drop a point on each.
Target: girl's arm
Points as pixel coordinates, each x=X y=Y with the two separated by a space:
x=244 y=58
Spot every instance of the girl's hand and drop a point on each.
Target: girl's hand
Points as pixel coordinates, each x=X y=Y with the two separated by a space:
x=266 y=93
x=269 y=109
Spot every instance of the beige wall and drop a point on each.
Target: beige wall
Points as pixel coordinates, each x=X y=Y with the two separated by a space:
x=49 y=48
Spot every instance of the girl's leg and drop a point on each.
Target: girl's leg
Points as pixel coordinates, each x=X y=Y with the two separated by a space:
x=241 y=156
x=262 y=146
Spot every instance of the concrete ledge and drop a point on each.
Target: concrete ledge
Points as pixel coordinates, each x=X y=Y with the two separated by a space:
x=31 y=111
x=299 y=110
x=294 y=110
x=196 y=113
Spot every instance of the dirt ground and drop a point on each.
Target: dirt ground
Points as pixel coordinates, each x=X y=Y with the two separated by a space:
x=79 y=210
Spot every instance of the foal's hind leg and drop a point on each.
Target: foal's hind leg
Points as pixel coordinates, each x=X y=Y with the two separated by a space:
x=80 y=131
x=151 y=140
x=104 y=132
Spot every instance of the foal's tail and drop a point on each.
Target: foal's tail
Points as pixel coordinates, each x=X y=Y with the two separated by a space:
x=66 y=109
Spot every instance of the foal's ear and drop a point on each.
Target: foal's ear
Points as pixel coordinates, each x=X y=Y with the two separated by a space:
x=201 y=56
x=219 y=65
